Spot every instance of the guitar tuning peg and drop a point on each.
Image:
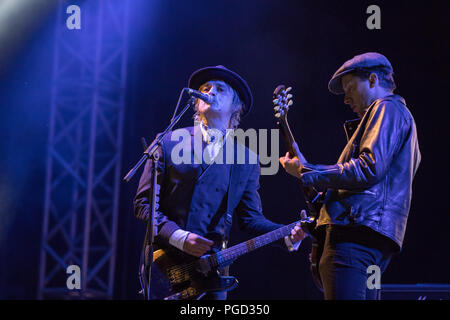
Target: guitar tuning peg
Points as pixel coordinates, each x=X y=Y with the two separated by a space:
x=277 y=115
x=289 y=96
x=276 y=108
x=290 y=103
x=288 y=89
x=276 y=101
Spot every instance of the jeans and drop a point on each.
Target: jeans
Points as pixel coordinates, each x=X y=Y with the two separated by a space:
x=348 y=252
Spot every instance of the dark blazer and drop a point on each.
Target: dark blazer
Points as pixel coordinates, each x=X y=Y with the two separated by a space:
x=202 y=198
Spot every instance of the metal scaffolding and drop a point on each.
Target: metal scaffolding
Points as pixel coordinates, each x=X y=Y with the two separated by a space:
x=84 y=150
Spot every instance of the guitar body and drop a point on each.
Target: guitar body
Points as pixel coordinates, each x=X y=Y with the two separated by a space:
x=282 y=101
x=177 y=276
x=316 y=253
x=317 y=242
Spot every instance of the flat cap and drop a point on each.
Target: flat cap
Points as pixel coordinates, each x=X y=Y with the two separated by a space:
x=368 y=60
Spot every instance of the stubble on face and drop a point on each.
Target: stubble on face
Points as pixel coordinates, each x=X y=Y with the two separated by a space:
x=355 y=93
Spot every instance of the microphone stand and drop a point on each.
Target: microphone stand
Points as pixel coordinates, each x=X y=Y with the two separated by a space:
x=151 y=153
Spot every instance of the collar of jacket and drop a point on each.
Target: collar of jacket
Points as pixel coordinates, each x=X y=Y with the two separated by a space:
x=350 y=126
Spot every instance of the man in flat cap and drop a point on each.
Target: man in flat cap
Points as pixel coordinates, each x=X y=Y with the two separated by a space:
x=368 y=192
x=199 y=199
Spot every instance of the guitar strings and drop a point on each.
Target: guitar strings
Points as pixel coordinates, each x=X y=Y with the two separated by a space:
x=181 y=271
x=261 y=240
x=234 y=252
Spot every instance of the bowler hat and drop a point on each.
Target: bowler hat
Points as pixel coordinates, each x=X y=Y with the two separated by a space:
x=368 y=60
x=219 y=72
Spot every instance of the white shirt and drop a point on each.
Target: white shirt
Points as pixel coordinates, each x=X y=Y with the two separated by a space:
x=214 y=139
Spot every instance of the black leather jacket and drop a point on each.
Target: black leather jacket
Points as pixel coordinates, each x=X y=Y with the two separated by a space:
x=371 y=184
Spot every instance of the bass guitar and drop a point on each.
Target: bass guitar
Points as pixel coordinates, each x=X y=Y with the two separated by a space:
x=175 y=275
x=282 y=100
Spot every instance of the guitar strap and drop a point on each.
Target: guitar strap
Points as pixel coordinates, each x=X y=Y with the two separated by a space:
x=229 y=212
x=231 y=189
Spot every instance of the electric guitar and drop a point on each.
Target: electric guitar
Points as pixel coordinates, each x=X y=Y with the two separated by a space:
x=282 y=100
x=176 y=275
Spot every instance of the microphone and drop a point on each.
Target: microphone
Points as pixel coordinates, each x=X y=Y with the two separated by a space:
x=203 y=96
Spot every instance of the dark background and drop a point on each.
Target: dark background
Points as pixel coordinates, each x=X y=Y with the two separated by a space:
x=298 y=43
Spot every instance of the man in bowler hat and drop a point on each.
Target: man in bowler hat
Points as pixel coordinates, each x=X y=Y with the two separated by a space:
x=368 y=191
x=199 y=199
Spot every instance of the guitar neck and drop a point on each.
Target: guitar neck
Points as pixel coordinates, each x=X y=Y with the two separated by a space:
x=287 y=135
x=234 y=252
x=309 y=192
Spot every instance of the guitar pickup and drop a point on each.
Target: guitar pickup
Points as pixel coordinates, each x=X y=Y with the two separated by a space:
x=177 y=275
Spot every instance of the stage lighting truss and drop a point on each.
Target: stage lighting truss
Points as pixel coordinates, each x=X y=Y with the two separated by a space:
x=83 y=171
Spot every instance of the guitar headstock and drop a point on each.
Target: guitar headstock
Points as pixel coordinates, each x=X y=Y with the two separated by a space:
x=282 y=100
